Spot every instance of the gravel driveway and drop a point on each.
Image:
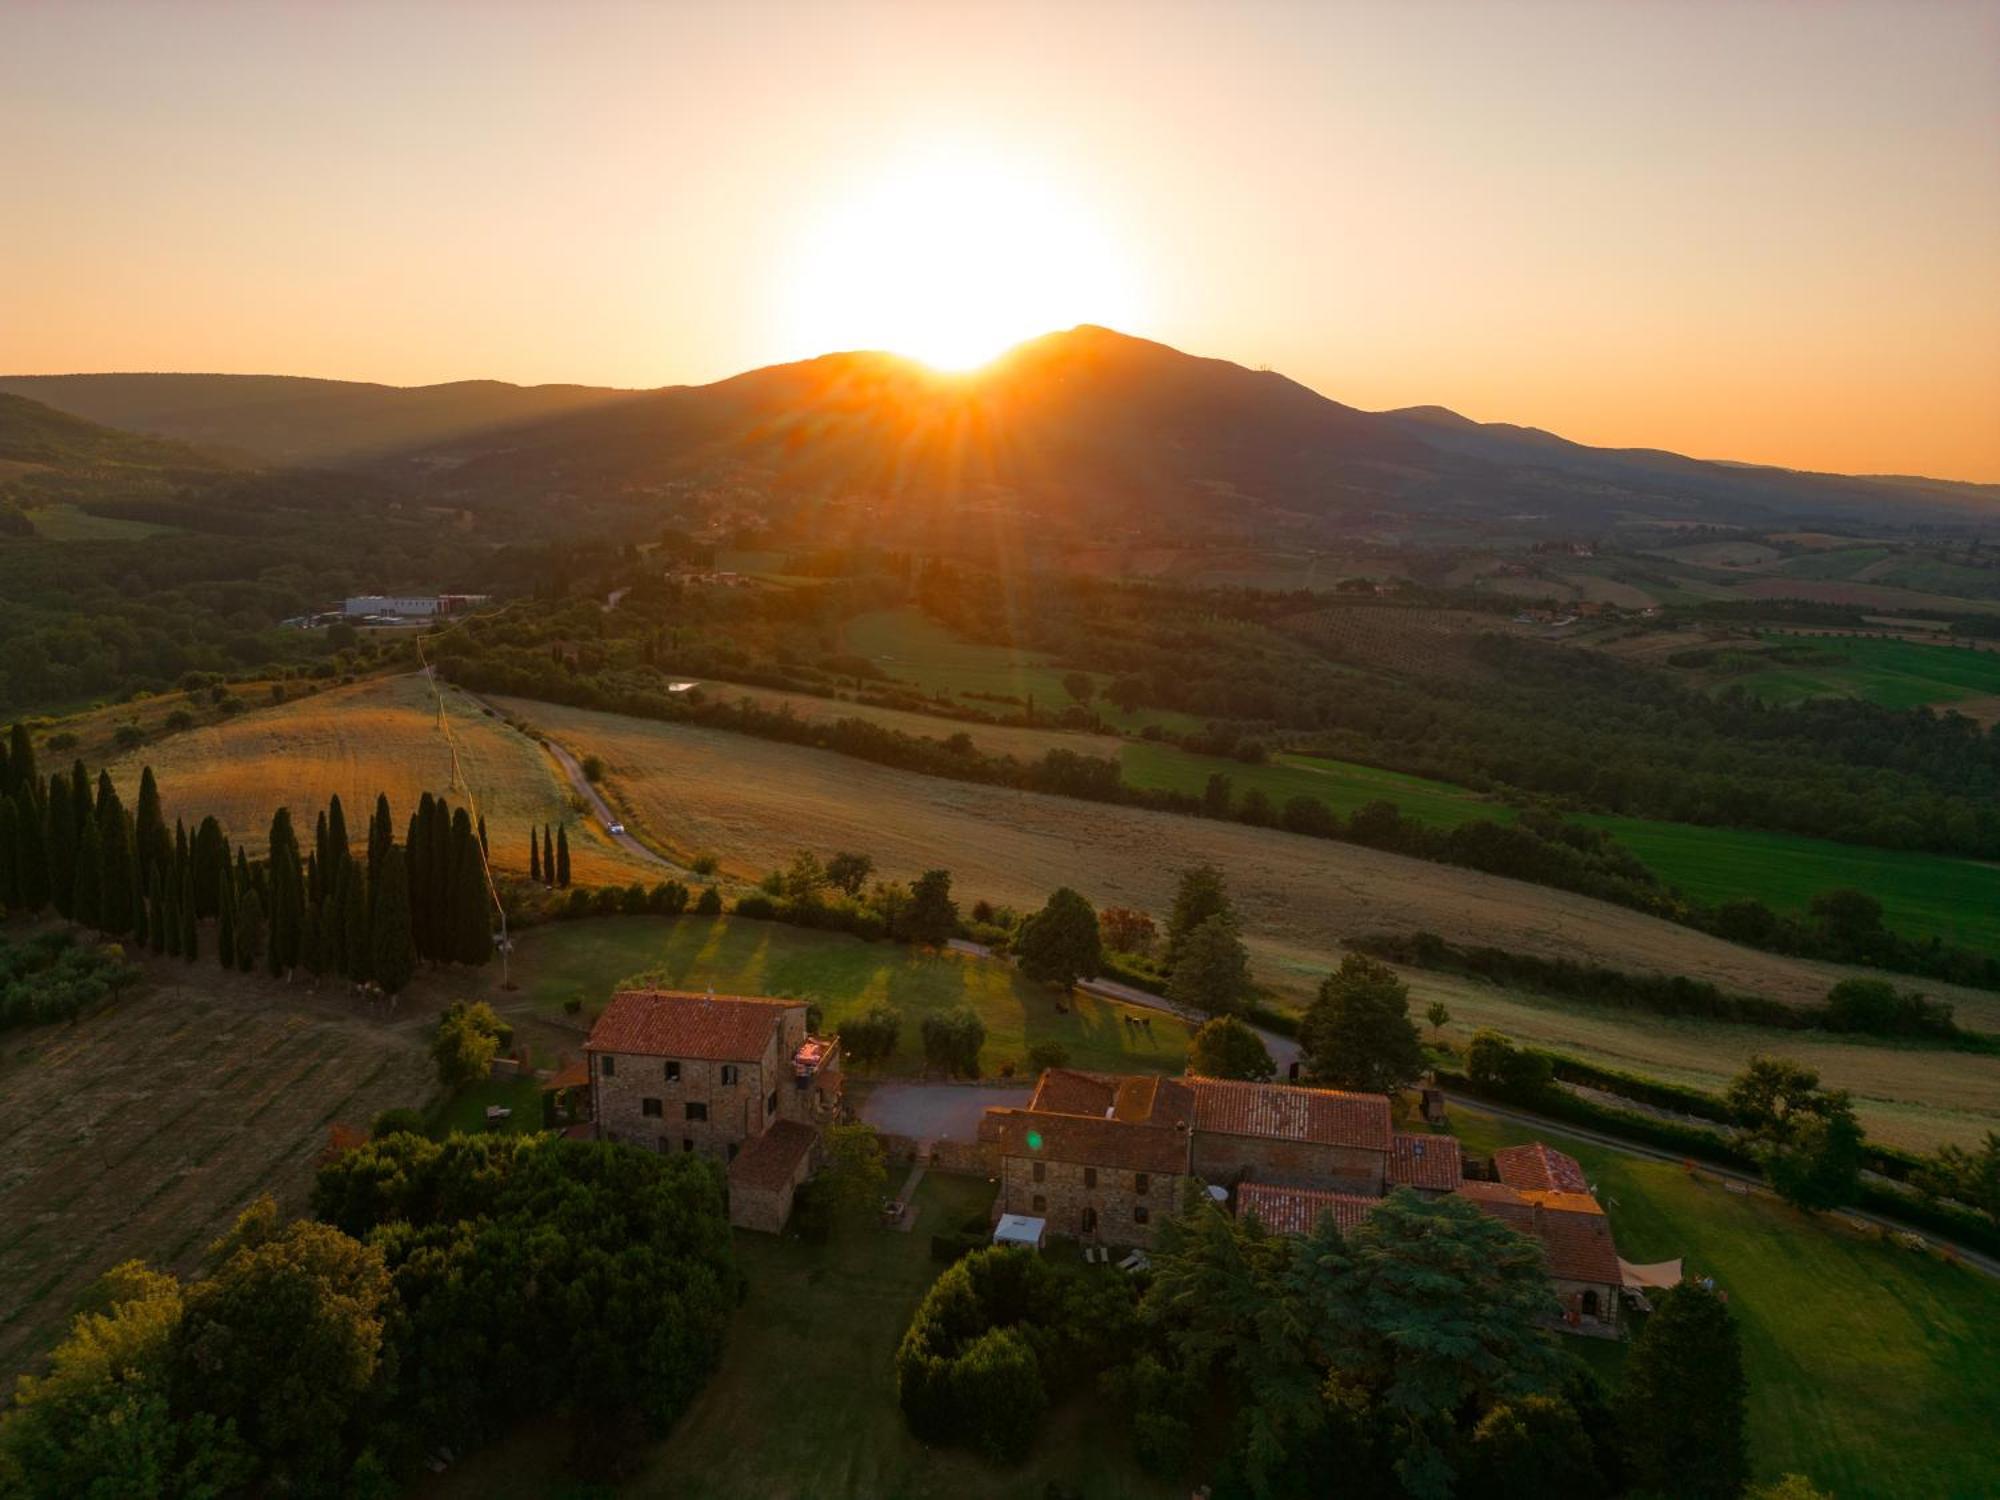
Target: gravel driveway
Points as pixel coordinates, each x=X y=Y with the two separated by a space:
x=936 y=1111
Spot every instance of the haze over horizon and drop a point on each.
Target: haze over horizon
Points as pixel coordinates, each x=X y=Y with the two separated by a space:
x=1601 y=221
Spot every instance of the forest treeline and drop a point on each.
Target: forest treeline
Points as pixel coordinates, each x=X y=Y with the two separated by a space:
x=366 y=915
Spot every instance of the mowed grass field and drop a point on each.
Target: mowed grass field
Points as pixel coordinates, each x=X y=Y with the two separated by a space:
x=1872 y=1369
x=380 y=735
x=70 y=523
x=804 y=1406
x=755 y=802
x=145 y=1127
x=586 y=961
x=910 y=646
x=1893 y=673
x=1918 y=1097
x=1921 y=894
x=1342 y=785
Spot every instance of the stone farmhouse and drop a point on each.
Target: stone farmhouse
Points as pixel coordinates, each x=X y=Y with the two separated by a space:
x=1106 y=1158
x=738 y=1078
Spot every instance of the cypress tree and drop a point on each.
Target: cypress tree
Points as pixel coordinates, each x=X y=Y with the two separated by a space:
x=417 y=866
x=225 y=925
x=156 y=913
x=86 y=900
x=338 y=853
x=562 y=855
x=309 y=939
x=10 y=855
x=354 y=922
x=21 y=770
x=548 y=857
x=59 y=846
x=116 y=868
x=316 y=862
x=472 y=933
x=381 y=836
x=392 y=958
x=151 y=846
x=170 y=919
x=534 y=857
x=211 y=868
x=249 y=930
x=286 y=907
x=484 y=847
x=440 y=852
x=80 y=807
x=190 y=934
x=181 y=851
x=31 y=855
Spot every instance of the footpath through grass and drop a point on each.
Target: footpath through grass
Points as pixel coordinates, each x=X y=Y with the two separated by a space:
x=804 y=1404
x=1873 y=1370
x=587 y=960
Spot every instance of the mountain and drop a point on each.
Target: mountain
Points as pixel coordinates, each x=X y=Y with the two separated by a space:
x=36 y=435
x=1083 y=432
x=287 y=419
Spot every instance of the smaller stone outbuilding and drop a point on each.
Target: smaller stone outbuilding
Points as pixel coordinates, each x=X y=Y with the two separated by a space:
x=767 y=1172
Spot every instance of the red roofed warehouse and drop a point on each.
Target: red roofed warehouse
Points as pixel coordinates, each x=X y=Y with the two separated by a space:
x=719 y=1074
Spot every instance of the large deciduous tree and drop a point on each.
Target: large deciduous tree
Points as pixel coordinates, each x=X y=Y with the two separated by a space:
x=1201 y=894
x=1212 y=973
x=1681 y=1402
x=1226 y=1048
x=1060 y=943
x=1357 y=1034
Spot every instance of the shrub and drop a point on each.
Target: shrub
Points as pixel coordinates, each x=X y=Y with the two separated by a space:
x=609 y=900
x=710 y=904
x=401 y=1120
x=872 y=1035
x=758 y=906
x=704 y=864
x=633 y=903
x=668 y=898
x=952 y=1039
x=1045 y=1055
x=579 y=903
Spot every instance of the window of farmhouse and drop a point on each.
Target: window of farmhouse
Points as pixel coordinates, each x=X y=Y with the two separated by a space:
x=673 y=1072
x=729 y=1071
x=607 y=1065
x=1041 y=1171
x=650 y=1108
x=697 y=1111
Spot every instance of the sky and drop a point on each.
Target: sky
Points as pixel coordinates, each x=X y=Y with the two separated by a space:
x=1754 y=230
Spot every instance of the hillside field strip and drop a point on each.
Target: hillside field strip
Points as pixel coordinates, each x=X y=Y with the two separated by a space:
x=756 y=802
x=1906 y=1095
x=380 y=735
x=143 y=1128
x=1895 y=674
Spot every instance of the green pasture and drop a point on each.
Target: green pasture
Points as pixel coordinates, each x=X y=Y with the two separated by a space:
x=1872 y=1368
x=1341 y=785
x=67 y=523
x=1834 y=564
x=911 y=647
x=587 y=960
x=1895 y=674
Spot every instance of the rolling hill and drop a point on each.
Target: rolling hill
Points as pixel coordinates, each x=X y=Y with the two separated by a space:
x=1080 y=432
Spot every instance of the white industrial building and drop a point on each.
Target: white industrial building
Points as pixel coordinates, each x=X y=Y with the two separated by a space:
x=410 y=606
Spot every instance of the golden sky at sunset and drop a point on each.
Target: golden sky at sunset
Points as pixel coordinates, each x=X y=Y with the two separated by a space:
x=1764 y=231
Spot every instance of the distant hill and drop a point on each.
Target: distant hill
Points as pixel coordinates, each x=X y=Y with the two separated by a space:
x=286 y=419
x=36 y=434
x=1084 y=431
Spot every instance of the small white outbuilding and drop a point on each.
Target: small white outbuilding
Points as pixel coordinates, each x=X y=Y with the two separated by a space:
x=1020 y=1229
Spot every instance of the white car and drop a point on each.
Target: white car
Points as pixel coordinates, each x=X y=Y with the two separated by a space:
x=617 y=828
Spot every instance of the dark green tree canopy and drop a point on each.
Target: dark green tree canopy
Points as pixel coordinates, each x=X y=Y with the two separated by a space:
x=1358 y=1034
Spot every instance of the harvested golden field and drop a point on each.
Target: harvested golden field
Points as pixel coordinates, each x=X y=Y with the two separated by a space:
x=375 y=736
x=1918 y=1097
x=754 y=802
x=144 y=1128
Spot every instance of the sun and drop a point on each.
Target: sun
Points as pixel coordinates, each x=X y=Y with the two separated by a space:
x=950 y=256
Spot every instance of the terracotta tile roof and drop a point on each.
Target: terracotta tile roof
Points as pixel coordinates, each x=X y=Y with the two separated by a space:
x=673 y=1023
x=572 y=1076
x=1539 y=1168
x=1575 y=1235
x=1425 y=1161
x=1279 y=1112
x=1294 y=1210
x=771 y=1160
x=1086 y=1141
x=1138 y=1099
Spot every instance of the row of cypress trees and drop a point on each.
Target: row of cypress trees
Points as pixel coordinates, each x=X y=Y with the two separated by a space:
x=71 y=844
x=548 y=863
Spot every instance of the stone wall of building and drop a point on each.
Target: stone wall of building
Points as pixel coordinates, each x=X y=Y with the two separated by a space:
x=734 y=1110
x=1229 y=1159
x=1103 y=1204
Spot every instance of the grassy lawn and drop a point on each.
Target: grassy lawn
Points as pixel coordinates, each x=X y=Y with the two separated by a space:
x=911 y=647
x=1896 y=674
x=68 y=523
x=733 y=955
x=1873 y=1370
x=1341 y=785
x=804 y=1405
x=466 y=1110
x=1921 y=894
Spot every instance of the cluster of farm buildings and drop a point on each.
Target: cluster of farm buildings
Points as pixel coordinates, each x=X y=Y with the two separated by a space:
x=1101 y=1157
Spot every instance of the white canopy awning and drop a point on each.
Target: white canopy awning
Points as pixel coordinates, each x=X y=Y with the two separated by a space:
x=1660 y=1275
x=1020 y=1229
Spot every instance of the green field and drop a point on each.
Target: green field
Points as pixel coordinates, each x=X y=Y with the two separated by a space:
x=1872 y=1369
x=733 y=955
x=1833 y=563
x=1341 y=785
x=466 y=1110
x=66 y=523
x=1921 y=894
x=804 y=1404
x=1895 y=674
x=910 y=646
